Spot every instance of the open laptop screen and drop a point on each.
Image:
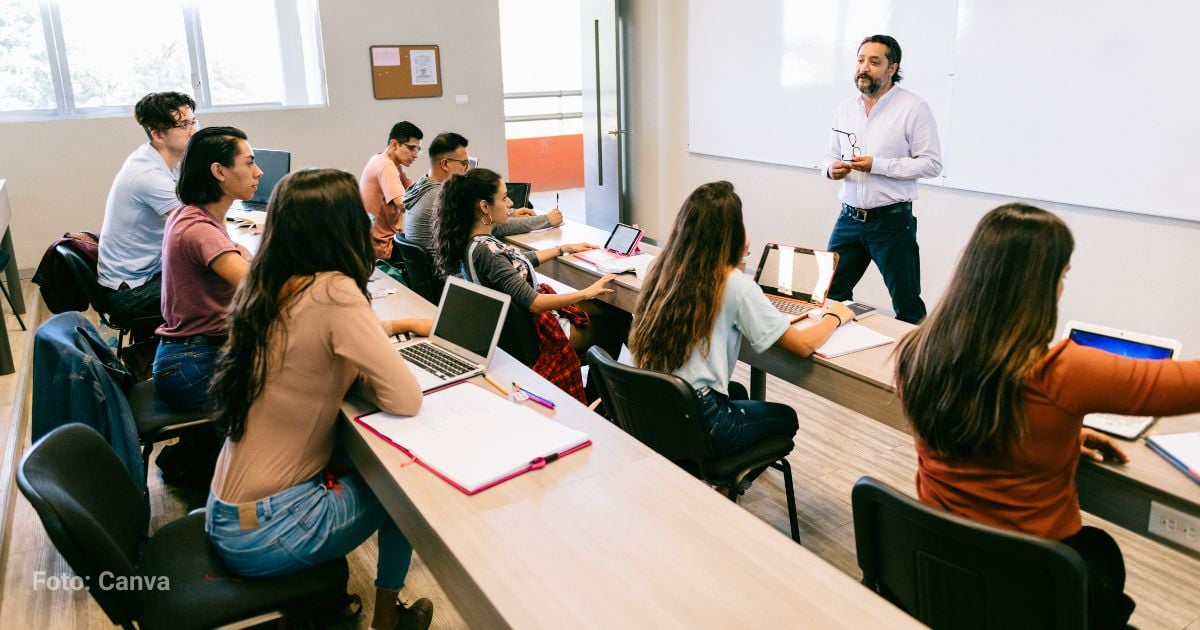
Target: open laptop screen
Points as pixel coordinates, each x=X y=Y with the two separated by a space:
x=795 y=272
x=519 y=193
x=468 y=319
x=1123 y=347
x=274 y=165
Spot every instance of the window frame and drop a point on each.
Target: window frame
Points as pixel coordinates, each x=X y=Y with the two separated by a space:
x=293 y=58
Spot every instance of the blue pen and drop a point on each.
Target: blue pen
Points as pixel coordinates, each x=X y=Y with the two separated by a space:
x=549 y=404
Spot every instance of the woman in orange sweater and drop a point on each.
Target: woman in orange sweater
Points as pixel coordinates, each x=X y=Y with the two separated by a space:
x=998 y=411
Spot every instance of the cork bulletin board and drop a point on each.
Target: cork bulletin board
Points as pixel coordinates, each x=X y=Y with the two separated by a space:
x=406 y=71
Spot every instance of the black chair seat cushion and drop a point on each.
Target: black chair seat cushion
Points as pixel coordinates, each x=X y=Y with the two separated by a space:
x=765 y=452
x=151 y=414
x=205 y=594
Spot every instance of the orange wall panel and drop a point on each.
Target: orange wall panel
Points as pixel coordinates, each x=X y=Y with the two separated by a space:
x=549 y=163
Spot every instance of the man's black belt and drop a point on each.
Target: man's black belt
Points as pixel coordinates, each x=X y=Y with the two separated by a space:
x=866 y=214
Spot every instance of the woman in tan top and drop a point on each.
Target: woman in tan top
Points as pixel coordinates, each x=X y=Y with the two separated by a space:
x=301 y=333
x=998 y=412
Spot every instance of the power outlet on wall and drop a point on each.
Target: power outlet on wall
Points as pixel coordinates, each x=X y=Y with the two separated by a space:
x=1177 y=527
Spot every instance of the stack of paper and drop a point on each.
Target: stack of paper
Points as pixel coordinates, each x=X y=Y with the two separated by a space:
x=852 y=338
x=1181 y=449
x=636 y=264
x=475 y=439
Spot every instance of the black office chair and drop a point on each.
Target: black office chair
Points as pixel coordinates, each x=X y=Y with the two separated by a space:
x=98 y=521
x=88 y=284
x=950 y=572
x=420 y=273
x=663 y=412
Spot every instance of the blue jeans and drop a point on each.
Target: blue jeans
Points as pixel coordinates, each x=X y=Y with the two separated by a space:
x=307 y=525
x=128 y=304
x=891 y=241
x=183 y=372
x=736 y=425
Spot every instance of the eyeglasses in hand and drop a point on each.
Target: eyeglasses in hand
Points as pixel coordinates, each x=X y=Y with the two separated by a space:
x=855 y=152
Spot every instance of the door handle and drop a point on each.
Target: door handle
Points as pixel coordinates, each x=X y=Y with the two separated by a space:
x=616 y=132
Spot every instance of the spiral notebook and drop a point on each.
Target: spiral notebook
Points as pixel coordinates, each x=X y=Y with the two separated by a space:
x=473 y=439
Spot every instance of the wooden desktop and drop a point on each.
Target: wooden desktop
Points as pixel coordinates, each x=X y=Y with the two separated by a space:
x=611 y=536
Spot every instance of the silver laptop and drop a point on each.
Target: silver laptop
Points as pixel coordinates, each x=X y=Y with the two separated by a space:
x=1126 y=344
x=274 y=165
x=795 y=279
x=465 y=332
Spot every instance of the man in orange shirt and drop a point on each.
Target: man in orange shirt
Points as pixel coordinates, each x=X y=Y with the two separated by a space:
x=383 y=182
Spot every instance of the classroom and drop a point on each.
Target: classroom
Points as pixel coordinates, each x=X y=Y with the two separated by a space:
x=1130 y=270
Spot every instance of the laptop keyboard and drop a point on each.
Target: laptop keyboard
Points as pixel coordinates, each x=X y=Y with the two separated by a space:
x=435 y=360
x=791 y=308
x=1121 y=426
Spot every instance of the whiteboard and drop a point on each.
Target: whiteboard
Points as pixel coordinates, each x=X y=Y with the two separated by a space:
x=1075 y=102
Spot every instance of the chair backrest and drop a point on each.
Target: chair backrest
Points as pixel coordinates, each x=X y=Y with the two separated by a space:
x=419 y=270
x=92 y=510
x=85 y=278
x=950 y=572
x=661 y=410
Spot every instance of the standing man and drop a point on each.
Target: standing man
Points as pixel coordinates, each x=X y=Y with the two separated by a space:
x=448 y=156
x=141 y=197
x=383 y=183
x=883 y=140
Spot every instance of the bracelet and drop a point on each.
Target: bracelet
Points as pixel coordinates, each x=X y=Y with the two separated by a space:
x=561 y=251
x=834 y=315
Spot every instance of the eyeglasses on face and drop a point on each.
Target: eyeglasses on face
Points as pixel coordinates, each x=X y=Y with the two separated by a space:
x=186 y=124
x=466 y=163
x=415 y=148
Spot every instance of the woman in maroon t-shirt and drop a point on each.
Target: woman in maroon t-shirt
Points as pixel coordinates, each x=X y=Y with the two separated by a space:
x=201 y=265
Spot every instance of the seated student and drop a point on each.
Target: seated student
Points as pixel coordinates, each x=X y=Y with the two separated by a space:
x=470 y=205
x=697 y=304
x=448 y=156
x=142 y=195
x=302 y=331
x=383 y=183
x=998 y=412
x=201 y=265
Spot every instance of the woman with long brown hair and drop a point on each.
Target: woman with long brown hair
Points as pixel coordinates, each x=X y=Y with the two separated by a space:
x=697 y=304
x=998 y=411
x=302 y=332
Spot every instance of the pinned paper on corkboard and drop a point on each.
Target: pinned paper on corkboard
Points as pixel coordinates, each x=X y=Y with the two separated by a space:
x=406 y=71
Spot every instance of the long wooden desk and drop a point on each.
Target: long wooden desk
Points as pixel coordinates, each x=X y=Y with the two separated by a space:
x=863 y=382
x=611 y=536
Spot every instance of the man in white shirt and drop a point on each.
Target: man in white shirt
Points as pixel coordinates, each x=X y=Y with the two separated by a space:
x=883 y=140
x=141 y=197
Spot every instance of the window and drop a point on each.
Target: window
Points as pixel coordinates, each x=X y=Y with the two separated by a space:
x=61 y=58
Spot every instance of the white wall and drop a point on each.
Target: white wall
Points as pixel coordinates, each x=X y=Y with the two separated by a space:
x=1129 y=271
x=59 y=172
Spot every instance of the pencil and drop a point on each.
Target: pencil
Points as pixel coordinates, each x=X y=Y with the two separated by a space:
x=491 y=381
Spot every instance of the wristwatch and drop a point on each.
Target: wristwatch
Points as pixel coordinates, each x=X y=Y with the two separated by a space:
x=561 y=251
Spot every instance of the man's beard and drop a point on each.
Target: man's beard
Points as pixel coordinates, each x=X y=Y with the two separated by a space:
x=871 y=87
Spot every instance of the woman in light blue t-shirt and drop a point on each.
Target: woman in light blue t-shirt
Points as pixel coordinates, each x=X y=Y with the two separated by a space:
x=697 y=304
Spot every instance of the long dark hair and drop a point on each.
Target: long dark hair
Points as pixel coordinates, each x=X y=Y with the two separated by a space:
x=210 y=145
x=961 y=374
x=454 y=215
x=681 y=296
x=315 y=222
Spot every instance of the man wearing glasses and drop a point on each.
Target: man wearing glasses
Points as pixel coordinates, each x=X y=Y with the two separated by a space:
x=141 y=197
x=383 y=183
x=448 y=156
x=883 y=140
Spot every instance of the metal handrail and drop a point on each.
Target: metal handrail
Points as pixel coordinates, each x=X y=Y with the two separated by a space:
x=551 y=94
x=532 y=117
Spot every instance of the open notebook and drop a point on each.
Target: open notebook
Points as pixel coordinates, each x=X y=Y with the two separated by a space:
x=474 y=439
